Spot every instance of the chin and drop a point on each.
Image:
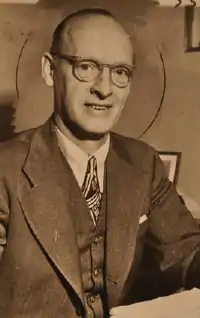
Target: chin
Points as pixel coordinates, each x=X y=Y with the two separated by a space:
x=98 y=127
x=85 y=132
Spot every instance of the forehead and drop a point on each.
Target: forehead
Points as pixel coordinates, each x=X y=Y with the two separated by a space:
x=100 y=38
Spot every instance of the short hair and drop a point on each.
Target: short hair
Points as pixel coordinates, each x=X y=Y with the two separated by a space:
x=84 y=12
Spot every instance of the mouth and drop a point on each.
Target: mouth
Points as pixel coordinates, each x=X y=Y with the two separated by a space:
x=98 y=106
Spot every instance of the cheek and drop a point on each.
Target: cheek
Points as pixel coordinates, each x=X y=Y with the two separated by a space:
x=76 y=92
x=120 y=97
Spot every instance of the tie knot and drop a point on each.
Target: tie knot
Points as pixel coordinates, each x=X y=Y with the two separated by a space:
x=92 y=163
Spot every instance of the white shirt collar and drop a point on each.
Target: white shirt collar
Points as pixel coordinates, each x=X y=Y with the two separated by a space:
x=78 y=159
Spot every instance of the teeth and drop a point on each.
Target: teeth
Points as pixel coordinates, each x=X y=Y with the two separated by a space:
x=98 y=107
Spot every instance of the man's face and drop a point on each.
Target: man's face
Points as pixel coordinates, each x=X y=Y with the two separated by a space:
x=92 y=106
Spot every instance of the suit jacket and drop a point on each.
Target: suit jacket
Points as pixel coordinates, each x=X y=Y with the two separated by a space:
x=40 y=273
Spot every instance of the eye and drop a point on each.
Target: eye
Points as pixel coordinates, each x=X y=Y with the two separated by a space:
x=122 y=72
x=121 y=75
x=86 y=70
x=86 y=66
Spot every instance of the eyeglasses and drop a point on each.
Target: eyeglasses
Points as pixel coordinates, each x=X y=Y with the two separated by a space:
x=88 y=70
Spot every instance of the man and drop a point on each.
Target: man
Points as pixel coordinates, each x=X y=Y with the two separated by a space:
x=87 y=217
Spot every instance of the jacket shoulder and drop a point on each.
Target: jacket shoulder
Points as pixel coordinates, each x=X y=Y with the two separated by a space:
x=138 y=153
x=132 y=145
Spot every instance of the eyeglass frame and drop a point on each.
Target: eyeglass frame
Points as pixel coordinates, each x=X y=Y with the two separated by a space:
x=74 y=60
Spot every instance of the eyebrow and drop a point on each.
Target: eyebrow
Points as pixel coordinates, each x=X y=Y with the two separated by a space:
x=91 y=58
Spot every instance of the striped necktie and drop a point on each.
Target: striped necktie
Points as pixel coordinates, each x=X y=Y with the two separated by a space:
x=91 y=189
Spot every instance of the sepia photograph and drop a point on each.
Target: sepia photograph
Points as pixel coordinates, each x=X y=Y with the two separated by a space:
x=99 y=157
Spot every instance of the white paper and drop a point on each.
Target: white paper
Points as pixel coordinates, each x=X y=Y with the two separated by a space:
x=182 y=305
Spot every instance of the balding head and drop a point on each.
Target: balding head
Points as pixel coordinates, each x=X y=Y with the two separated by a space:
x=66 y=24
x=88 y=21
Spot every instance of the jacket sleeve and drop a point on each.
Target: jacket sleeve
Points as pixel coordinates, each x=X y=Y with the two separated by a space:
x=173 y=234
x=4 y=215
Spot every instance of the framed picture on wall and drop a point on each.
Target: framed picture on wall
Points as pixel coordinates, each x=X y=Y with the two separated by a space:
x=171 y=162
x=192 y=25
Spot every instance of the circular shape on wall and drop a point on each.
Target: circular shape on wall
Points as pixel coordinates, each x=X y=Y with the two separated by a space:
x=35 y=104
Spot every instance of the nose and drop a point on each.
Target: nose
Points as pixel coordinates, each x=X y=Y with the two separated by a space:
x=102 y=86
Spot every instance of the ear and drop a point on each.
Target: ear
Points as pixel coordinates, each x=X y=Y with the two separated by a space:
x=47 y=69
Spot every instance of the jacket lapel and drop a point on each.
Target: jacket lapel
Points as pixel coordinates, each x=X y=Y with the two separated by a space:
x=47 y=203
x=125 y=198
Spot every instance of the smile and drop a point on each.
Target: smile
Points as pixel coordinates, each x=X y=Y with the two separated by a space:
x=100 y=107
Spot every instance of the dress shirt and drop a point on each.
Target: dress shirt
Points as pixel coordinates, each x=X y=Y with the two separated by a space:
x=78 y=159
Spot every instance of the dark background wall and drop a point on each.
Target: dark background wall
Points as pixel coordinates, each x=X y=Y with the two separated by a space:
x=154 y=30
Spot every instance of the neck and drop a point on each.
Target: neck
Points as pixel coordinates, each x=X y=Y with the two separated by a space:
x=87 y=145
